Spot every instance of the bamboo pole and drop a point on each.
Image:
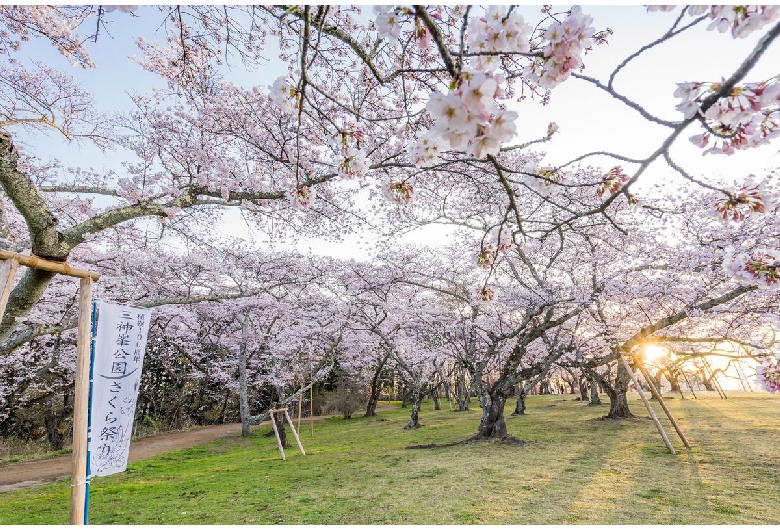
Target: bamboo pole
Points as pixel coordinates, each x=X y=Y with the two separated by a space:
x=300 y=445
x=690 y=386
x=7 y=274
x=34 y=262
x=657 y=395
x=78 y=480
x=647 y=405
x=276 y=432
x=300 y=406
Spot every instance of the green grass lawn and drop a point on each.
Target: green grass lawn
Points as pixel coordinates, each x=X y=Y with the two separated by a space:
x=574 y=469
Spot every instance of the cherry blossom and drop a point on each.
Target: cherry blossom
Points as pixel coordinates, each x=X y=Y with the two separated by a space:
x=759 y=267
x=750 y=197
x=398 y=192
x=566 y=42
x=768 y=375
x=284 y=95
x=301 y=198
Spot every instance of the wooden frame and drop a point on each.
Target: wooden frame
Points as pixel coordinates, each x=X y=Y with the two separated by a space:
x=276 y=431
x=8 y=267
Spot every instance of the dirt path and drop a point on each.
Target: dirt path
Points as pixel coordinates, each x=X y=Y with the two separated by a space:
x=28 y=474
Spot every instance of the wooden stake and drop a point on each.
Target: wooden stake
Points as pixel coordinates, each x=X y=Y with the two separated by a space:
x=647 y=405
x=714 y=379
x=7 y=274
x=300 y=446
x=311 y=410
x=657 y=395
x=78 y=480
x=300 y=405
x=688 y=382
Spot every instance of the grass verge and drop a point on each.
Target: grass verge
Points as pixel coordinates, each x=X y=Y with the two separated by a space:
x=574 y=468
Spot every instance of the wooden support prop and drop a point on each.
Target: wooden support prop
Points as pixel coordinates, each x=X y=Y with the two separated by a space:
x=300 y=446
x=688 y=382
x=657 y=395
x=276 y=432
x=78 y=480
x=746 y=384
x=34 y=262
x=714 y=379
x=7 y=274
x=300 y=404
x=647 y=405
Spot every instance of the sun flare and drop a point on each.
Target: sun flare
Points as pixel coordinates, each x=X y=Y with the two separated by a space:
x=653 y=353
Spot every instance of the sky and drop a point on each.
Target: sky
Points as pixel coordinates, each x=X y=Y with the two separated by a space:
x=588 y=118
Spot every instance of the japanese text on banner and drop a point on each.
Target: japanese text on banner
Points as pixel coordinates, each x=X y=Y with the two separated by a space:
x=120 y=343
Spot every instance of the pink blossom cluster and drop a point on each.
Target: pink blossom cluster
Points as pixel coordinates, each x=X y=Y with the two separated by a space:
x=750 y=197
x=614 y=179
x=486 y=256
x=502 y=237
x=747 y=117
x=301 y=198
x=485 y=294
x=388 y=22
x=498 y=31
x=761 y=267
x=352 y=161
x=57 y=23
x=467 y=119
x=543 y=180
x=284 y=95
x=399 y=192
x=427 y=149
x=568 y=40
x=740 y=20
x=768 y=375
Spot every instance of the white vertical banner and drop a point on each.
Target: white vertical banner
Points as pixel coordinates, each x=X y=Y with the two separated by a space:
x=120 y=342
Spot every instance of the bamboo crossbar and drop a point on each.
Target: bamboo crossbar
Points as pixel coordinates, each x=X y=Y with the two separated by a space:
x=61 y=267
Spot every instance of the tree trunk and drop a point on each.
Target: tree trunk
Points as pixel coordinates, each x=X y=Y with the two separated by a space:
x=618 y=402
x=435 y=396
x=414 y=417
x=492 y=425
x=520 y=406
x=279 y=419
x=243 y=397
x=583 y=389
x=373 y=396
x=463 y=398
x=673 y=378
x=594 y=392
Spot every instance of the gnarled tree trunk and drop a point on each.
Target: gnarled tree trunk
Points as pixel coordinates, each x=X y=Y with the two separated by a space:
x=618 y=401
x=492 y=425
x=414 y=416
